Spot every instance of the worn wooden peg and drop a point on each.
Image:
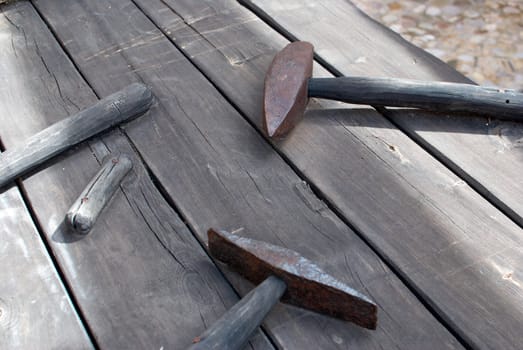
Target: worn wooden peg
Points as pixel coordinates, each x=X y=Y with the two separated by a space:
x=86 y=209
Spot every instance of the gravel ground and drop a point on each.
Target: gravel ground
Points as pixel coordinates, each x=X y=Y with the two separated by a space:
x=483 y=39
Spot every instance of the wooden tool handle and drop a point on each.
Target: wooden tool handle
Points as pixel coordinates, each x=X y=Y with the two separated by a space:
x=130 y=102
x=438 y=96
x=85 y=210
x=234 y=328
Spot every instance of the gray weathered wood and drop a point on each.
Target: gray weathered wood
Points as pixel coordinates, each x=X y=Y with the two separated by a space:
x=428 y=95
x=35 y=309
x=459 y=253
x=140 y=277
x=220 y=172
x=85 y=210
x=108 y=112
x=233 y=330
x=485 y=152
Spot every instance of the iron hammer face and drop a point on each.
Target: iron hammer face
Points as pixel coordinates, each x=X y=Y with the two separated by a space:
x=308 y=286
x=283 y=274
x=285 y=94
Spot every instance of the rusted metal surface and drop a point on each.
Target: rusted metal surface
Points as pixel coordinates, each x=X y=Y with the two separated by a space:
x=285 y=91
x=307 y=285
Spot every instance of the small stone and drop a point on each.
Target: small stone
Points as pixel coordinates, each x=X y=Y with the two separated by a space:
x=471 y=14
x=433 y=11
x=390 y=18
x=466 y=58
x=419 y=9
x=396 y=27
x=477 y=77
x=451 y=10
x=427 y=37
x=394 y=6
x=492 y=4
x=415 y=31
x=476 y=39
x=436 y=52
x=426 y=25
x=490 y=27
x=509 y=10
x=498 y=52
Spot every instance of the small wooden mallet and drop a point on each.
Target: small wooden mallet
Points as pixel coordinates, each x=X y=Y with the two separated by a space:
x=289 y=84
x=285 y=274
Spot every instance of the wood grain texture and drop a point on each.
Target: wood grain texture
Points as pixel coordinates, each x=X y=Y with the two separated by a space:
x=461 y=254
x=35 y=309
x=121 y=106
x=140 y=277
x=485 y=152
x=82 y=215
x=221 y=173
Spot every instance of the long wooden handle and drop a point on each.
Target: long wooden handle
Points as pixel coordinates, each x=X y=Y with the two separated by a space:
x=438 y=96
x=234 y=328
x=130 y=102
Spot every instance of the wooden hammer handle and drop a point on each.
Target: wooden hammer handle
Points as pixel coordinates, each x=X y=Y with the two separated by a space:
x=438 y=96
x=234 y=328
x=121 y=106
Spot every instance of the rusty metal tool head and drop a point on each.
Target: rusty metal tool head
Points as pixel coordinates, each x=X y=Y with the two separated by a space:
x=289 y=85
x=285 y=94
x=283 y=274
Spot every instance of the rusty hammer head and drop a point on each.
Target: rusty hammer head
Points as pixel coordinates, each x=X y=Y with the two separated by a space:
x=307 y=285
x=285 y=92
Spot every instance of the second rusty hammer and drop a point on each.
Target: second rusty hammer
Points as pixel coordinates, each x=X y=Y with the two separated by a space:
x=285 y=274
x=288 y=86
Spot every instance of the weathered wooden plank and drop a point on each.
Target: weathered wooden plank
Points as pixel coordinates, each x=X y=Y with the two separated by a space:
x=221 y=173
x=486 y=153
x=35 y=309
x=460 y=253
x=140 y=277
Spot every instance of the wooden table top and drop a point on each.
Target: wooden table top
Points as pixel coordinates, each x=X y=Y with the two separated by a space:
x=420 y=211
